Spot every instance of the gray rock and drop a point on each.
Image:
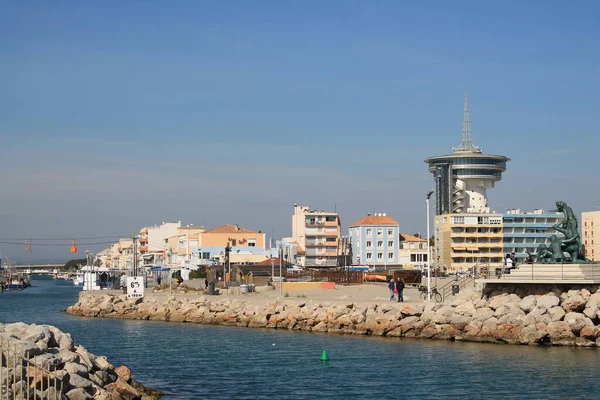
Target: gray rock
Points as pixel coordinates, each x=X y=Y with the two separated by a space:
x=79 y=382
x=556 y=313
x=76 y=369
x=78 y=394
x=483 y=314
x=592 y=306
x=532 y=335
x=577 y=321
x=68 y=356
x=528 y=303
x=547 y=301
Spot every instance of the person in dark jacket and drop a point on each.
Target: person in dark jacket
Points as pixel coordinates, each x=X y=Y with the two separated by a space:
x=391 y=286
x=400 y=289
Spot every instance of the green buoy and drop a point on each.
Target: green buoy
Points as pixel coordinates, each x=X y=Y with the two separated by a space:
x=324 y=356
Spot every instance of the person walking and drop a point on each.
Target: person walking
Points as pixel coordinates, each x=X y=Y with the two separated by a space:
x=400 y=289
x=392 y=288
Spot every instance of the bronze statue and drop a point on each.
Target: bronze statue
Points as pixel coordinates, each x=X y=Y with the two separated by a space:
x=543 y=254
x=568 y=227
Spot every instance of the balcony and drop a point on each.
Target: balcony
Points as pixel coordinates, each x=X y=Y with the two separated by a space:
x=143 y=249
x=144 y=240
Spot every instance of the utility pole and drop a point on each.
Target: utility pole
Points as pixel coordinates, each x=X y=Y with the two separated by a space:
x=429 y=248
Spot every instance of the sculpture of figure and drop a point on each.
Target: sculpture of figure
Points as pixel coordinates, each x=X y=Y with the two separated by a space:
x=543 y=254
x=556 y=252
x=568 y=227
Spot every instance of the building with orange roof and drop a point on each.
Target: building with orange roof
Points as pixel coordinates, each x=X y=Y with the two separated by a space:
x=413 y=251
x=374 y=241
x=234 y=235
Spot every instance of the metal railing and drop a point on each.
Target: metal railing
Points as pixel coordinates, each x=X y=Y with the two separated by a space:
x=461 y=282
x=21 y=377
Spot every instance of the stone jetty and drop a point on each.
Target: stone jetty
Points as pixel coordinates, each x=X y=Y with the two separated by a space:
x=526 y=316
x=42 y=362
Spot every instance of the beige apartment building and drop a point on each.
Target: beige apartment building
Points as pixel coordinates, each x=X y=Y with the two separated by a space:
x=412 y=251
x=590 y=229
x=318 y=234
x=467 y=239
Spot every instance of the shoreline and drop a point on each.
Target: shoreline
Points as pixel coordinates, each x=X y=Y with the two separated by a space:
x=561 y=319
x=41 y=361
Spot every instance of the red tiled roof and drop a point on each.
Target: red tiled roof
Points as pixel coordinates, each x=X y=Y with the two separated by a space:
x=229 y=228
x=405 y=237
x=375 y=220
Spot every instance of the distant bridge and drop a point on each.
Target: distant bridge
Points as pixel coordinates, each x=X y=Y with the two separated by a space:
x=39 y=268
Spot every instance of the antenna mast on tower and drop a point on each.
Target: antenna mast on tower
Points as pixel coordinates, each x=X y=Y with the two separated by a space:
x=466 y=144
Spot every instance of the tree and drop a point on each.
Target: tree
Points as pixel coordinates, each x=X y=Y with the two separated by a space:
x=74 y=265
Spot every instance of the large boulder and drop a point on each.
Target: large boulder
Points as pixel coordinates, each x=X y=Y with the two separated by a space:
x=560 y=333
x=592 y=306
x=547 y=301
x=556 y=313
x=577 y=321
x=528 y=303
x=574 y=303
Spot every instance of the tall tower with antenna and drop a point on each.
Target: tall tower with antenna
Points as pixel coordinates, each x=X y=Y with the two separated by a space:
x=463 y=177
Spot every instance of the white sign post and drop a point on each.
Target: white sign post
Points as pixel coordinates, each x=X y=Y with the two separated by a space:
x=135 y=287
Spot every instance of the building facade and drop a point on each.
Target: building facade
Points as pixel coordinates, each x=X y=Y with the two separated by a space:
x=317 y=233
x=590 y=222
x=524 y=231
x=465 y=240
x=234 y=235
x=466 y=230
x=413 y=251
x=374 y=241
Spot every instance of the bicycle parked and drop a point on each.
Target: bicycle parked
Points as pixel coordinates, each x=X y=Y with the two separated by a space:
x=435 y=295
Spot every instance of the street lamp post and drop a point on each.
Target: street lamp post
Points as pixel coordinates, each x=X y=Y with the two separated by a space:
x=428 y=249
x=272 y=268
x=280 y=254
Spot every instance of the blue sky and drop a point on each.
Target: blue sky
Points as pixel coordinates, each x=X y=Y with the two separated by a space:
x=116 y=115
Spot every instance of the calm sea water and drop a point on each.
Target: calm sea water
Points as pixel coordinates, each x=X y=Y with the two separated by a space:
x=188 y=361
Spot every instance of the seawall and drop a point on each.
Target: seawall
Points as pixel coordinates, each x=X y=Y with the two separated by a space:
x=42 y=362
x=532 y=316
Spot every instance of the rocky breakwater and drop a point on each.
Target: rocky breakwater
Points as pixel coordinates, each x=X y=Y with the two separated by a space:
x=41 y=362
x=568 y=319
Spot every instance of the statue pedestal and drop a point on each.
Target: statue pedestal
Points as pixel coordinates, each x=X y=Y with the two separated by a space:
x=554 y=272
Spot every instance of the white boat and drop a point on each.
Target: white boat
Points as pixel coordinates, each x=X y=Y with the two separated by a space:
x=78 y=279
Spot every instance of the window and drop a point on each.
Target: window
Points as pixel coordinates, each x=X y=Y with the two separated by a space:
x=380 y=256
x=390 y=256
x=413 y=257
x=369 y=231
x=390 y=243
x=390 y=232
x=411 y=246
x=420 y=245
x=205 y=255
x=379 y=231
x=369 y=243
x=369 y=256
x=380 y=243
x=331 y=218
x=252 y=242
